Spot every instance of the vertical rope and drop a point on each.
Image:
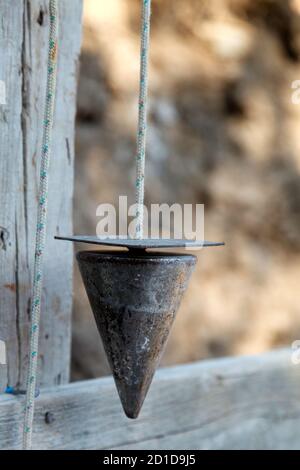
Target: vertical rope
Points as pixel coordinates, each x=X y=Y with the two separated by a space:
x=142 y=122
x=41 y=225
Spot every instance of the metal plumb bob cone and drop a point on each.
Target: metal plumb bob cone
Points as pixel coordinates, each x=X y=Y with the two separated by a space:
x=135 y=295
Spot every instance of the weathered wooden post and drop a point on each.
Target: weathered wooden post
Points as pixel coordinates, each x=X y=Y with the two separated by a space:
x=24 y=35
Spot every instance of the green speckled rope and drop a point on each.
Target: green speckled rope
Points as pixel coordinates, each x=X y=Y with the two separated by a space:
x=41 y=225
x=142 y=124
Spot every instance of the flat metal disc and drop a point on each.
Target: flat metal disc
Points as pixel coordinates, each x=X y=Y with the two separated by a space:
x=142 y=244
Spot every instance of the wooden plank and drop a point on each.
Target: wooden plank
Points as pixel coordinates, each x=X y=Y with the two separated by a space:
x=24 y=36
x=239 y=403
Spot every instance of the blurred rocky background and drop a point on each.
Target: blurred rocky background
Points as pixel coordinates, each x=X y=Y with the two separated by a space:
x=223 y=132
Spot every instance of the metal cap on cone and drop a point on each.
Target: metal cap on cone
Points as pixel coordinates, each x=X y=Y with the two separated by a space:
x=134 y=298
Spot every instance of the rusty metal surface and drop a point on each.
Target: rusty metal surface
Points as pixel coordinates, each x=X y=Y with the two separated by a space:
x=140 y=244
x=134 y=298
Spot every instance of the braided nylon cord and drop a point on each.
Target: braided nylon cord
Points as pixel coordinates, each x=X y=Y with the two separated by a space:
x=142 y=122
x=41 y=225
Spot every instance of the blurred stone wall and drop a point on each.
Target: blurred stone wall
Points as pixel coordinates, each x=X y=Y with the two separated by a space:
x=223 y=132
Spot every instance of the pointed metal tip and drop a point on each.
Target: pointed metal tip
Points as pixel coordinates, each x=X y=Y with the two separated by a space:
x=132 y=413
x=132 y=395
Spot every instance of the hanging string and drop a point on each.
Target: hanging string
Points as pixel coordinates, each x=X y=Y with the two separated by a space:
x=41 y=225
x=142 y=122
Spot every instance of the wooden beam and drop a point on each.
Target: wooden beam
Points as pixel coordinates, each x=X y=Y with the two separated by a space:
x=239 y=403
x=24 y=36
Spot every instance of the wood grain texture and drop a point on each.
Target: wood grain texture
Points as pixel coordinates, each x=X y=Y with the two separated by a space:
x=239 y=403
x=24 y=33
